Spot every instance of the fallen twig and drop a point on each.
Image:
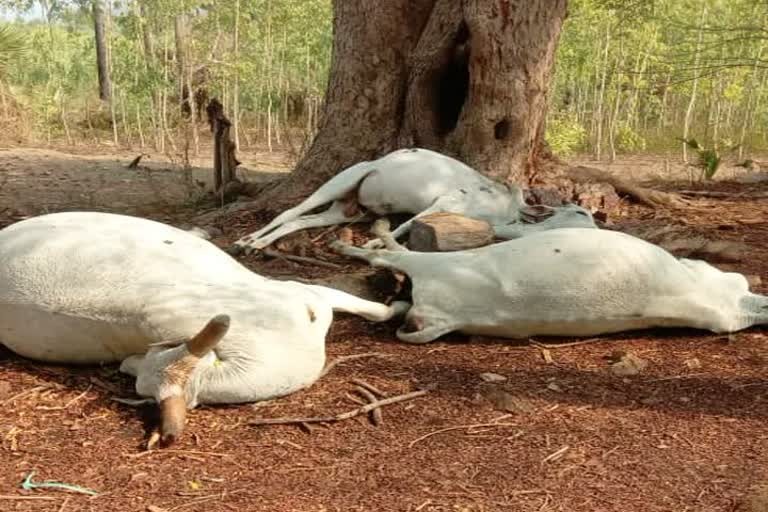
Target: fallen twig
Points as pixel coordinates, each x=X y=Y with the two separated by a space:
x=210 y=497
x=556 y=455
x=373 y=389
x=343 y=416
x=64 y=505
x=545 y=353
x=68 y=404
x=175 y=452
x=727 y=195
x=344 y=359
x=27 y=392
x=550 y=346
x=459 y=427
x=272 y=253
x=375 y=415
x=355 y=399
x=45 y=498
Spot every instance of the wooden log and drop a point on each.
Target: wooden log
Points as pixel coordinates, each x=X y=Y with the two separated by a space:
x=441 y=232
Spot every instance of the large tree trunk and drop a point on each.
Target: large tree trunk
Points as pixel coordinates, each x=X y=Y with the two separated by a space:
x=467 y=78
x=105 y=87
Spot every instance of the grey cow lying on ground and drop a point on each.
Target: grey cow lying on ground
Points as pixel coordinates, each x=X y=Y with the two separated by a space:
x=563 y=282
x=420 y=182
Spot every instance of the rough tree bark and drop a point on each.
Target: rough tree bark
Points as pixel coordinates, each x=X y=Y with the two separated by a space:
x=468 y=78
x=105 y=87
x=224 y=160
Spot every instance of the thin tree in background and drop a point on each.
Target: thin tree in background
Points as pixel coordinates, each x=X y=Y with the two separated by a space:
x=99 y=24
x=694 y=87
x=236 y=85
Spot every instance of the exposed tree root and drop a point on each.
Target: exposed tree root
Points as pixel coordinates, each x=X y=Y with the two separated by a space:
x=725 y=195
x=686 y=243
x=643 y=195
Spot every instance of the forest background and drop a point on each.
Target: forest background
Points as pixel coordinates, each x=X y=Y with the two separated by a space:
x=630 y=77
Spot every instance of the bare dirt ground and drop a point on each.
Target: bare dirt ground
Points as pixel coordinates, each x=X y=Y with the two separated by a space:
x=563 y=433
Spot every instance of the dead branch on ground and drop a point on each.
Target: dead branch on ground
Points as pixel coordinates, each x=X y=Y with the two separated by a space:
x=344 y=359
x=643 y=195
x=725 y=195
x=342 y=416
x=272 y=253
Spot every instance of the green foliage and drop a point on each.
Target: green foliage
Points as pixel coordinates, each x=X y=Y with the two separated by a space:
x=565 y=135
x=628 y=139
x=709 y=160
x=624 y=74
x=631 y=67
x=13 y=46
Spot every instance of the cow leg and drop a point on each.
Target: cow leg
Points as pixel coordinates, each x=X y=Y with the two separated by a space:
x=333 y=215
x=419 y=329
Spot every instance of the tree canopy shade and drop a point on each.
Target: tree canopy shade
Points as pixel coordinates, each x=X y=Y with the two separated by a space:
x=469 y=79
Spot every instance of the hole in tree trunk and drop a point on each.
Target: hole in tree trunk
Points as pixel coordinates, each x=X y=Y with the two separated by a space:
x=501 y=129
x=452 y=84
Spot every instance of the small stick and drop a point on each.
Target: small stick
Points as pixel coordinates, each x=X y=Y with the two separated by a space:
x=20 y=498
x=343 y=416
x=344 y=359
x=710 y=193
x=202 y=499
x=545 y=354
x=355 y=399
x=373 y=389
x=375 y=415
x=568 y=344
x=176 y=452
x=448 y=429
x=27 y=392
x=676 y=377
x=66 y=406
x=272 y=253
x=556 y=455
x=64 y=505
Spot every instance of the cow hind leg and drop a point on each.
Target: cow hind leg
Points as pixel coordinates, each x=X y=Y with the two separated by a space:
x=411 y=332
x=334 y=215
x=348 y=303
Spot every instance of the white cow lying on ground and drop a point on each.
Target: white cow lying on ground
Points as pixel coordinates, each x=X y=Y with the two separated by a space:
x=417 y=181
x=86 y=287
x=565 y=282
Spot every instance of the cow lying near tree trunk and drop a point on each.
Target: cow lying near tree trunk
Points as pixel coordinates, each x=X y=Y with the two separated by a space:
x=565 y=282
x=86 y=287
x=420 y=182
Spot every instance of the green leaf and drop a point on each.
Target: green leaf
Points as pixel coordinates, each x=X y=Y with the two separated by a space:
x=12 y=45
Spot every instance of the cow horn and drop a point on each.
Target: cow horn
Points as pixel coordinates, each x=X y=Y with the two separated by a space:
x=173 y=407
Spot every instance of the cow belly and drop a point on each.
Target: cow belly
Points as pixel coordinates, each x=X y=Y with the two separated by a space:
x=583 y=327
x=43 y=335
